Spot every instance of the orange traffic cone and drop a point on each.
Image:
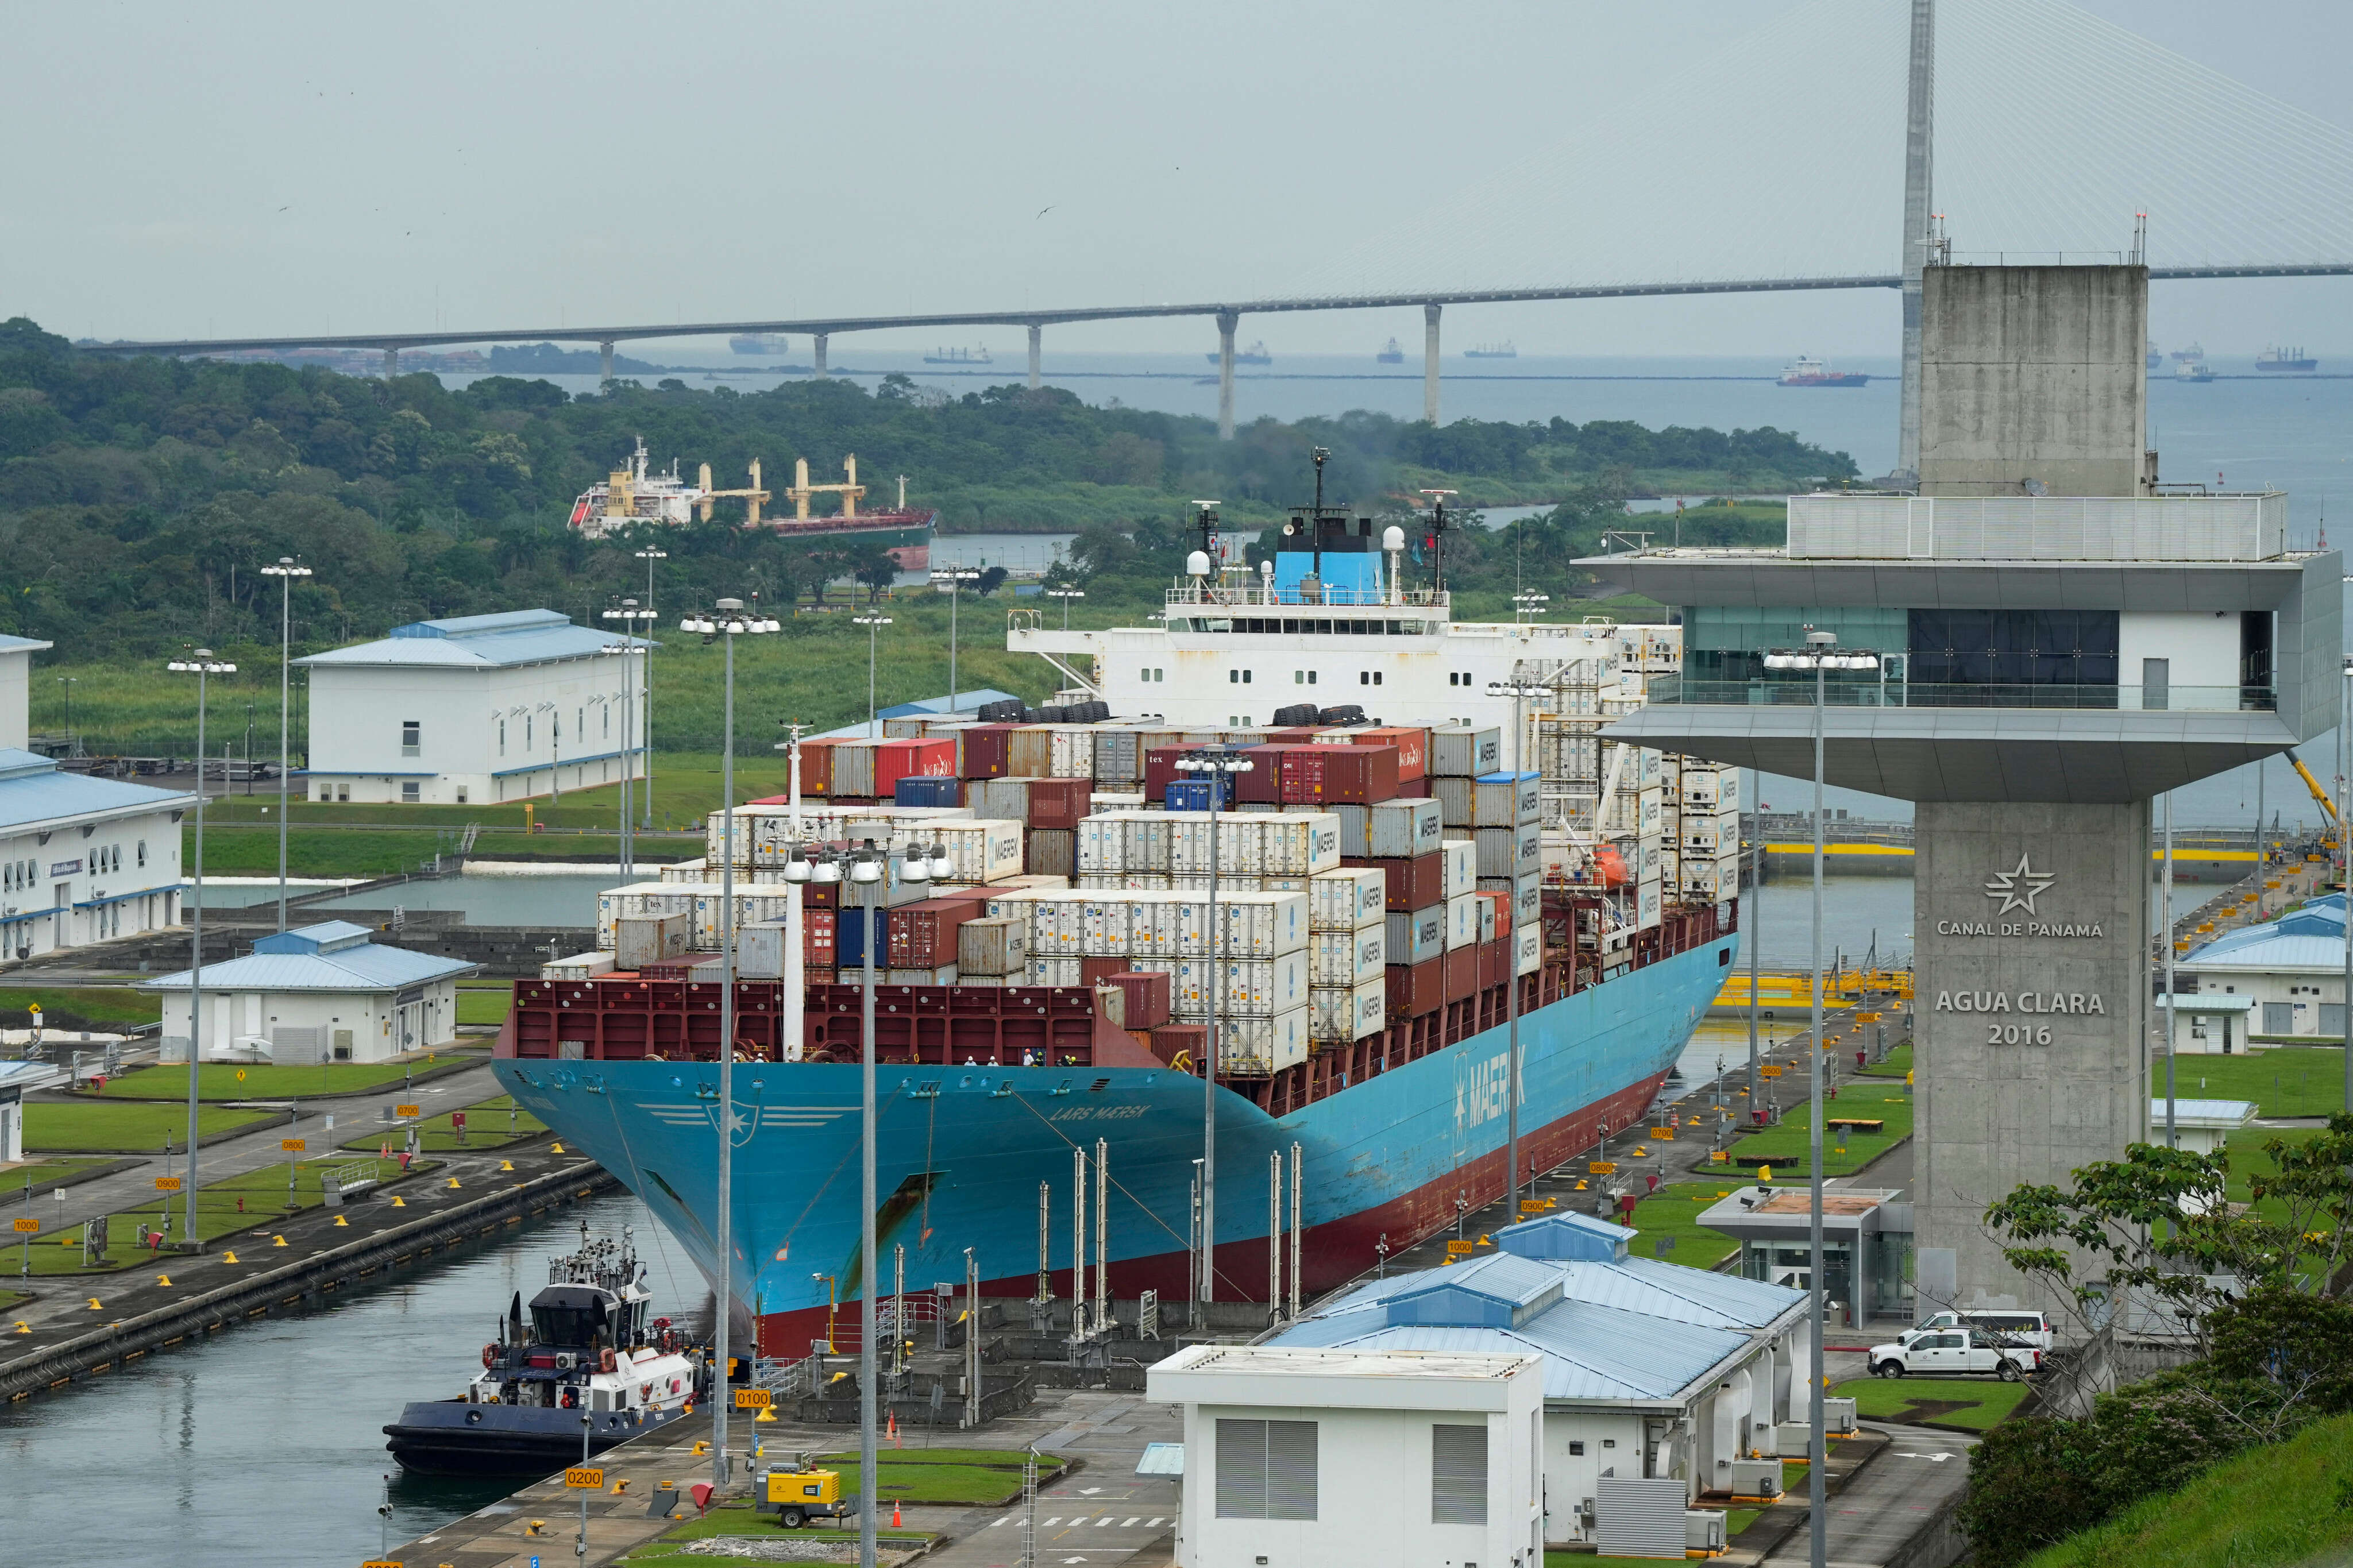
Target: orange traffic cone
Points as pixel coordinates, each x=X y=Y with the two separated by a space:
x=895 y=1514
x=894 y=1428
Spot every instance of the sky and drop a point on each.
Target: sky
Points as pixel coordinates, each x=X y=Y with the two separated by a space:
x=282 y=169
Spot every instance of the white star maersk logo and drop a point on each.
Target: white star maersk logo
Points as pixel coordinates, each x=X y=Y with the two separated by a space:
x=2018 y=888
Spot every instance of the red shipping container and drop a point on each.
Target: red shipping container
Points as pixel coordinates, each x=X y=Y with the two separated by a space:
x=1334 y=776
x=1494 y=964
x=896 y=760
x=1412 y=748
x=1413 y=789
x=1462 y=973
x=1502 y=902
x=1190 y=1041
x=1147 y=998
x=1262 y=785
x=817 y=766
x=1298 y=736
x=1160 y=771
x=1414 y=884
x=817 y=939
x=922 y=935
x=1058 y=804
x=988 y=750
x=1416 y=989
x=1096 y=970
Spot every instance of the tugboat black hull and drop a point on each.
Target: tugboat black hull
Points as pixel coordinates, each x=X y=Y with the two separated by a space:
x=453 y=1437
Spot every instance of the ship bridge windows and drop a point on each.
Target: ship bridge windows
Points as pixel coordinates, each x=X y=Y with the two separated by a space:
x=1368 y=676
x=1238 y=676
x=1303 y=678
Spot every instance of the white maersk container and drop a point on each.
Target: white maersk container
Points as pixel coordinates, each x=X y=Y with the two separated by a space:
x=1240 y=848
x=1053 y=972
x=579 y=966
x=1705 y=835
x=981 y=851
x=1155 y=926
x=1527 y=949
x=1505 y=800
x=1349 y=899
x=1260 y=1048
x=1248 y=925
x=1648 y=903
x=1462 y=874
x=1343 y=1014
x=1103 y=928
x=1253 y=987
x=1056 y=928
x=1459 y=753
x=1129 y=881
x=644 y=899
x=1101 y=844
x=1401 y=829
x=1709 y=787
x=1346 y=958
x=753 y=907
x=1511 y=851
x=1298 y=845
x=1415 y=938
x=1462 y=922
x=998 y=946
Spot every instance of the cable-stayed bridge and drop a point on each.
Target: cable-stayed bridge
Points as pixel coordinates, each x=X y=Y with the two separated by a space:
x=1808 y=154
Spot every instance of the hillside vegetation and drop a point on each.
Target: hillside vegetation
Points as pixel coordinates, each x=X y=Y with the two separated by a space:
x=140 y=497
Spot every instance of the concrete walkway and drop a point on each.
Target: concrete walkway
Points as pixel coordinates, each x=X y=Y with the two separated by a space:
x=1894 y=1499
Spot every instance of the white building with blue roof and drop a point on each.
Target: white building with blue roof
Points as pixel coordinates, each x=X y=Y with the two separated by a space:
x=323 y=992
x=473 y=709
x=83 y=859
x=2274 y=981
x=16 y=688
x=1651 y=1369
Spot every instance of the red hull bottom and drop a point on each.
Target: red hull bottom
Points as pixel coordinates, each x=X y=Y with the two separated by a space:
x=1331 y=1254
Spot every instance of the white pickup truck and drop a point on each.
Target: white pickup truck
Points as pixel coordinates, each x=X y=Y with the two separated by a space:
x=1950 y=1353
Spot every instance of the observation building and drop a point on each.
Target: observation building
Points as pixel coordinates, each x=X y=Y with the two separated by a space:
x=2059 y=638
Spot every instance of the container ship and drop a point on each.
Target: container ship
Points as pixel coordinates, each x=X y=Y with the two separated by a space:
x=1389 y=870
x=634 y=495
x=1810 y=372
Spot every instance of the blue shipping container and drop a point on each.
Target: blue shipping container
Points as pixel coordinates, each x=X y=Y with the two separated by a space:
x=913 y=791
x=850 y=939
x=1188 y=795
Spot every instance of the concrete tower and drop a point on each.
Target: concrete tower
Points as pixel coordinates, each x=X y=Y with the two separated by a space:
x=2060 y=644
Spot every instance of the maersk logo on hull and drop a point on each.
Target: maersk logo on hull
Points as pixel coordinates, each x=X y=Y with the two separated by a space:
x=1481 y=1091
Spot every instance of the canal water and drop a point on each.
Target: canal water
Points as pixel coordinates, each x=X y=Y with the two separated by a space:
x=262 y=1447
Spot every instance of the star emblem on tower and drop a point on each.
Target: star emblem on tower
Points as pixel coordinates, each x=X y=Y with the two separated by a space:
x=2018 y=888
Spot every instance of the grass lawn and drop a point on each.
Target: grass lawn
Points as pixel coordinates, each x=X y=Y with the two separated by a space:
x=263 y=1193
x=11 y=1299
x=99 y=1007
x=737 y=1519
x=1673 y=1211
x=1049 y=1465
x=2291 y=1081
x=2268 y=1508
x=94 y=1125
x=1972 y=1403
x=257 y=1081
x=484 y=1003
x=1785 y=1147
x=975 y=1485
x=1898 y=1063
x=487 y=1123
x=38 y=1175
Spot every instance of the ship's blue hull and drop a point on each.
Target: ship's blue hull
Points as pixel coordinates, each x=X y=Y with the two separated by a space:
x=962 y=1152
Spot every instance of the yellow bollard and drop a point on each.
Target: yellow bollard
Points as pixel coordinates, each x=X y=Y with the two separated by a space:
x=555 y=1148
x=765 y=1415
x=453 y=1182
x=228 y=1257
x=23 y=1327
x=398 y=1202
x=94 y=1306
x=621 y=1486
x=506 y=1164
x=700 y=1448
x=342 y=1221
x=536 y=1527
x=276 y=1241
x=162 y=1279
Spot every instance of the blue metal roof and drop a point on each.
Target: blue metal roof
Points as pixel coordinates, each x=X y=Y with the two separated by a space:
x=1564 y=1234
x=2309 y=937
x=479 y=642
x=335 y=955
x=1590 y=1352
x=34 y=789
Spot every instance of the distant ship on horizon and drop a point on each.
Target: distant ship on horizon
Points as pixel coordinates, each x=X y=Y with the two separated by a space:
x=1492 y=350
x=975 y=355
x=2193 y=354
x=2295 y=359
x=2192 y=369
x=1254 y=354
x=1392 y=354
x=1811 y=371
x=757 y=343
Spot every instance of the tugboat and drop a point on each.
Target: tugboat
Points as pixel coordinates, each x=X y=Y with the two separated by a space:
x=589 y=1348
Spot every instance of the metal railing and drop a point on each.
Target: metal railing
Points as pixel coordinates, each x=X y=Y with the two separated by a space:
x=1688 y=691
x=1255 y=596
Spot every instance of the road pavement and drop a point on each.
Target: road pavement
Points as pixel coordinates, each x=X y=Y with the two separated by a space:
x=1887 y=1502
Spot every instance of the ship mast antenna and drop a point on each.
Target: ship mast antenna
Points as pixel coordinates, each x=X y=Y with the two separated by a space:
x=1438 y=527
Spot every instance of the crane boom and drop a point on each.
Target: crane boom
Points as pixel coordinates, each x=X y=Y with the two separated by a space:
x=2312 y=783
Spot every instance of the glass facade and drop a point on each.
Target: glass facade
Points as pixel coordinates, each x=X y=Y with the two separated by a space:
x=2013 y=648
x=1728 y=642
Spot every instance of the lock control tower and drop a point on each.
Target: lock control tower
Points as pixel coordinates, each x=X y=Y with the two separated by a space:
x=2062 y=639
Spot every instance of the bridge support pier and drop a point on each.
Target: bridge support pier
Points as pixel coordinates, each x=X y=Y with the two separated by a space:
x=1429 y=361
x=817 y=350
x=1227 y=321
x=605 y=361
x=390 y=363
x=1919 y=167
x=1037 y=332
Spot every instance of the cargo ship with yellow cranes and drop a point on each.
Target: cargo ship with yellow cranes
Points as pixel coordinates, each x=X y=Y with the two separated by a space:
x=637 y=495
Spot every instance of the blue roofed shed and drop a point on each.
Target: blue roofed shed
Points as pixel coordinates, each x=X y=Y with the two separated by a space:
x=319 y=993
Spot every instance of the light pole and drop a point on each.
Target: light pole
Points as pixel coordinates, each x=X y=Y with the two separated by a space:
x=1529 y=605
x=2344 y=791
x=626 y=652
x=1819 y=655
x=1217 y=765
x=872 y=623
x=202 y=666
x=1519 y=691
x=1066 y=595
x=555 y=756
x=649 y=555
x=285 y=571
x=727 y=620
x=866 y=867
x=632 y=617
x=956 y=577
x=68 y=682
